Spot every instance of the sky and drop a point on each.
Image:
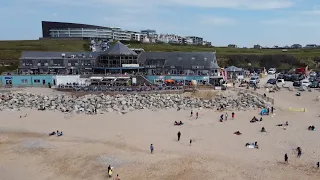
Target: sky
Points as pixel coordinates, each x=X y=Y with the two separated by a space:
x=223 y=22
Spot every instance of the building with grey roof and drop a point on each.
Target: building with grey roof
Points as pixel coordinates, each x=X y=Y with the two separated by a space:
x=36 y=62
x=117 y=59
x=183 y=63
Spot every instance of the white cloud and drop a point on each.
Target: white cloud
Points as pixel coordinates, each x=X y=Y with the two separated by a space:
x=292 y=22
x=274 y=21
x=312 y=12
x=232 y=4
x=217 y=21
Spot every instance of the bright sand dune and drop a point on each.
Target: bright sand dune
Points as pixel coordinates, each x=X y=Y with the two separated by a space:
x=91 y=143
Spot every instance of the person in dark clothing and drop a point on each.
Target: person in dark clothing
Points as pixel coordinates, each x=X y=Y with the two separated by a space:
x=268 y=111
x=191 y=113
x=109 y=168
x=179 y=135
x=190 y=142
x=151 y=148
x=318 y=164
x=286 y=158
x=272 y=109
x=52 y=134
x=263 y=129
x=299 y=151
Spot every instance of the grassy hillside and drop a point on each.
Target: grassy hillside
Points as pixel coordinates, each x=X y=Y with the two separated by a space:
x=10 y=52
x=223 y=51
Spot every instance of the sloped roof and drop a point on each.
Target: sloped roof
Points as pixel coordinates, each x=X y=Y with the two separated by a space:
x=44 y=54
x=120 y=49
x=186 y=59
x=233 y=68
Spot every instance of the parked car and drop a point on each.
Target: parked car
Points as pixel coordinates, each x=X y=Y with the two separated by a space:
x=280 y=82
x=313 y=73
x=305 y=82
x=296 y=84
x=297 y=77
x=272 y=71
x=280 y=76
x=287 y=77
x=272 y=81
x=314 y=85
x=254 y=80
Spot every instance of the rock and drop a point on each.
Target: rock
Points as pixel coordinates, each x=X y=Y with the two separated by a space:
x=125 y=103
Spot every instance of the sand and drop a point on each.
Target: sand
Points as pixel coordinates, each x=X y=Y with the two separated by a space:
x=91 y=143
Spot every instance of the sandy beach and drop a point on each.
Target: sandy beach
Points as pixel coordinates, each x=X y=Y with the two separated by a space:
x=91 y=143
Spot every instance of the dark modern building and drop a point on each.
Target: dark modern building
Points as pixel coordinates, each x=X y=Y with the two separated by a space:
x=117 y=59
x=33 y=62
x=120 y=59
x=84 y=31
x=179 y=63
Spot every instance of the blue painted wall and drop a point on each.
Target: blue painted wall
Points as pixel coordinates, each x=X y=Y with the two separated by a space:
x=189 y=78
x=27 y=80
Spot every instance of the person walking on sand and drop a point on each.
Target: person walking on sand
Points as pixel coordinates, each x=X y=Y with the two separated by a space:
x=226 y=116
x=117 y=178
x=299 y=152
x=151 y=148
x=272 y=109
x=190 y=142
x=197 y=115
x=286 y=158
x=179 y=135
x=318 y=164
x=191 y=113
x=109 y=168
x=232 y=115
x=221 y=117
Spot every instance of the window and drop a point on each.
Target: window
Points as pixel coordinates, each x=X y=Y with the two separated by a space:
x=36 y=80
x=24 y=81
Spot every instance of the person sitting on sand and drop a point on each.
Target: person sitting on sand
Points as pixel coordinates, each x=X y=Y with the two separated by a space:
x=52 y=134
x=287 y=124
x=311 y=128
x=237 y=133
x=318 y=164
x=178 y=123
x=260 y=118
x=254 y=119
x=60 y=134
x=263 y=129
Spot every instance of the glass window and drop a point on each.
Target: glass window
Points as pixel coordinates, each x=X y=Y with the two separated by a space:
x=36 y=80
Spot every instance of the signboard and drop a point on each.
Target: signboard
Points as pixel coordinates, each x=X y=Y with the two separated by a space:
x=197 y=67
x=130 y=65
x=150 y=66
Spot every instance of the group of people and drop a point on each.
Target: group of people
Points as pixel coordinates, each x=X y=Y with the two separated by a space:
x=224 y=117
x=311 y=128
x=58 y=133
x=110 y=171
x=197 y=114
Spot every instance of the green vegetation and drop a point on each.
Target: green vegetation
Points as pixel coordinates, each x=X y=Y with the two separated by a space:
x=10 y=51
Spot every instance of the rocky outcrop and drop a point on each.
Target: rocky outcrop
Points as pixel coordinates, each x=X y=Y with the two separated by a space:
x=124 y=103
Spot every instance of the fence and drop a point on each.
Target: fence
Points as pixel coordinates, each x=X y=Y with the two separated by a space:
x=75 y=93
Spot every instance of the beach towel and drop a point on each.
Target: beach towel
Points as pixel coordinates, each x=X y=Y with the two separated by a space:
x=250 y=146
